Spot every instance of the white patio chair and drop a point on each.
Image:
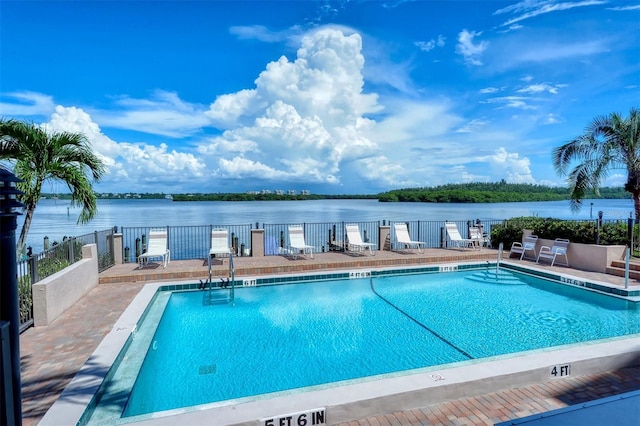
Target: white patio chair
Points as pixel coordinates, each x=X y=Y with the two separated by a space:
x=156 y=248
x=404 y=240
x=559 y=249
x=475 y=233
x=528 y=246
x=219 y=243
x=297 y=243
x=355 y=243
x=456 y=239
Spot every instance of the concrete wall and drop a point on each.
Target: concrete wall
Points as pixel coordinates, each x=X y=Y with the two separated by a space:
x=587 y=257
x=58 y=292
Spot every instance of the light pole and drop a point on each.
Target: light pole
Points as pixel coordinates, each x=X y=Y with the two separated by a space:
x=591 y=212
x=10 y=414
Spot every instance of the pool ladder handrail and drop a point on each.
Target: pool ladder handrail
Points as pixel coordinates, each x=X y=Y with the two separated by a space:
x=232 y=277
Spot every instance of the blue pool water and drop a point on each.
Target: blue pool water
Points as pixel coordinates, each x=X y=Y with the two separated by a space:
x=284 y=337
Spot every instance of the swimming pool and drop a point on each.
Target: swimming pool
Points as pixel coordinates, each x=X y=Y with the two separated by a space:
x=281 y=337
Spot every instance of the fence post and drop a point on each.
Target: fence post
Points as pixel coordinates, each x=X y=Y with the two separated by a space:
x=33 y=269
x=70 y=250
x=138 y=248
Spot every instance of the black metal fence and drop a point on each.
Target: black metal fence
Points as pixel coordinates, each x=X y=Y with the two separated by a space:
x=184 y=242
x=326 y=236
x=54 y=259
x=331 y=236
x=194 y=242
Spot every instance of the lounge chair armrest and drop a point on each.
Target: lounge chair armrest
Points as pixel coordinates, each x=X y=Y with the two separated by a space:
x=517 y=247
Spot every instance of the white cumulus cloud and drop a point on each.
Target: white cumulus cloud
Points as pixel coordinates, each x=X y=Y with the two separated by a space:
x=304 y=117
x=514 y=168
x=128 y=164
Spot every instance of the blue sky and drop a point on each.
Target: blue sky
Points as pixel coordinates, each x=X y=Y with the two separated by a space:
x=333 y=97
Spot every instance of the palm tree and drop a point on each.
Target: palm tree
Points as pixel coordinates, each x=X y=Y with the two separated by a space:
x=608 y=143
x=41 y=156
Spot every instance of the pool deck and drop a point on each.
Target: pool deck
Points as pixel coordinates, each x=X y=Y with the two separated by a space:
x=52 y=355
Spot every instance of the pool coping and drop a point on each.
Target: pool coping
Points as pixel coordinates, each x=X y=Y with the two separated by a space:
x=355 y=399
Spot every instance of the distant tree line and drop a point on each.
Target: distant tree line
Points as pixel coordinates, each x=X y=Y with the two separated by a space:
x=266 y=197
x=480 y=192
x=110 y=196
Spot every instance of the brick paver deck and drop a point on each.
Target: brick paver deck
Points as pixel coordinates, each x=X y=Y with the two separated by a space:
x=52 y=355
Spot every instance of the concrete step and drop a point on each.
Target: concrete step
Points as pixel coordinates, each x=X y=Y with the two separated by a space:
x=633 y=264
x=619 y=271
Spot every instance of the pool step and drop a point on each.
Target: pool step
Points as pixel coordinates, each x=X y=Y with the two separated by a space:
x=490 y=276
x=617 y=269
x=215 y=298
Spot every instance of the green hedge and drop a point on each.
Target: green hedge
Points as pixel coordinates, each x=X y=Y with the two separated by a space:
x=611 y=233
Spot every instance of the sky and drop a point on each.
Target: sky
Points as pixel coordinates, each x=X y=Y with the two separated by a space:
x=334 y=97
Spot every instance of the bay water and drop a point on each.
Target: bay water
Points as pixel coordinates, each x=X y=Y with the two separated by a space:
x=56 y=218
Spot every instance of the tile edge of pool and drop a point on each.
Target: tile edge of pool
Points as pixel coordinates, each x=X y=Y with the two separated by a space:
x=363 y=399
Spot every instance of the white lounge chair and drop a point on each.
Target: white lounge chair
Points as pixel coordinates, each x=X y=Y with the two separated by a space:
x=219 y=243
x=156 y=248
x=456 y=239
x=475 y=233
x=529 y=245
x=355 y=243
x=404 y=240
x=297 y=243
x=559 y=249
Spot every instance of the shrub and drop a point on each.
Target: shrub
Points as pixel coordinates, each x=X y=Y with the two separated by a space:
x=586 y=232
x=25 y=297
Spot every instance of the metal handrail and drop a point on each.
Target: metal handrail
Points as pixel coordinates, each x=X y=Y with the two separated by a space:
x=232 y=276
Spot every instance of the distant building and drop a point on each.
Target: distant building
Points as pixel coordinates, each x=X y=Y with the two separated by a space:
x=305 y=192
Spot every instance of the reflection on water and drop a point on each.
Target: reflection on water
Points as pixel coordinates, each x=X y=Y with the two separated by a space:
x=55 y=218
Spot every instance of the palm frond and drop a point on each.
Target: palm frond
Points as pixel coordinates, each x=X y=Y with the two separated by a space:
x=608 y=142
